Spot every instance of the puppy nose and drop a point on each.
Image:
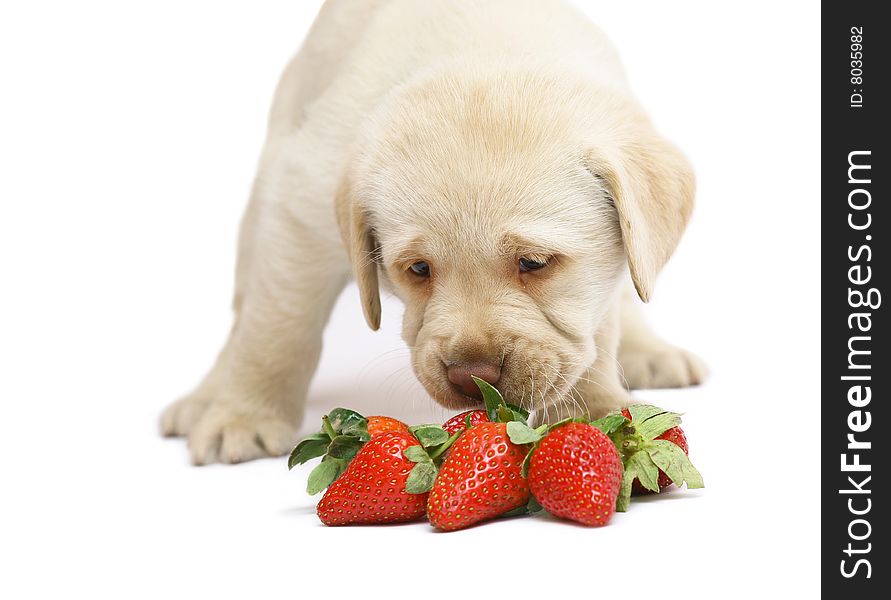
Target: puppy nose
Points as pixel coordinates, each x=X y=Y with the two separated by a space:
x=461 y=377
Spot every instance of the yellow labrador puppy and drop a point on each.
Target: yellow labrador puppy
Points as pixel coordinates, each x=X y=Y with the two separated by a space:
x=486 y=162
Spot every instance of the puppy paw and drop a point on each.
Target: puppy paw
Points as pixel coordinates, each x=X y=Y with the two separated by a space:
x=225 y=434
x=660 y=366
x=179 y=418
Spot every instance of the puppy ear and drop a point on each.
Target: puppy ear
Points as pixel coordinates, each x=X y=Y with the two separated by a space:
x=652 y=186
x=361 y=247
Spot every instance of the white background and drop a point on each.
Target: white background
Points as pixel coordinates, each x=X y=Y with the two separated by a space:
x=128 y=137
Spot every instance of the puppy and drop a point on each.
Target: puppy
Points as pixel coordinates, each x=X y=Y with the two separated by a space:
x=485 y=162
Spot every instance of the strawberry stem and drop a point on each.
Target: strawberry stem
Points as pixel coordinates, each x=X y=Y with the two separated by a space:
x=329 y=429
x=445 y=446
x=628 y=442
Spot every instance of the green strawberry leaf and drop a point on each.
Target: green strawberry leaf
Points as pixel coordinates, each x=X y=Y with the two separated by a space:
x=344 y=446
x=414 y=428
x=658 y=424
x=352 y=426
x=356 y=427
x=520 y=433
x=420 y=479
x=522 y=412
x=416 y=454
x=676 y=464
x=647 y=471
x=533 y=506
x=441 y=448
x=518 y=511
x=642 y=412
x=431 y=436
x=311 y=447
x=542 y=429
x=610 y=423
x=343 y=417
x=507 y=414
x=467 y=422
x=491 y=397
x=322 y=476
x=624 y=498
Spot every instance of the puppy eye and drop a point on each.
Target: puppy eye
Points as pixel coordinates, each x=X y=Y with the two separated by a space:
x=420 y=268
x=531 y=264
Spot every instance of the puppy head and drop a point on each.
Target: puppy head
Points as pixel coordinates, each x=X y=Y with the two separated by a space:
x=502 y=210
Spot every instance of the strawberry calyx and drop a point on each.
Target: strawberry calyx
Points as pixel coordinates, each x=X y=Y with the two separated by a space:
x=643 y=456
x=427 y=456
x=498 y=409
x=342 y=435
x=515 y=416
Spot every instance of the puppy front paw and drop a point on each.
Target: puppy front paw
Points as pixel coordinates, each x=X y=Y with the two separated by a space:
x=660 y=366
x=228 y=435
x=179 y=418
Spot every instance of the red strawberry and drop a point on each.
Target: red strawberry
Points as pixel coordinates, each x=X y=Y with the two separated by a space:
x=674 y=435
x=378 y=425
x=576 y=473
x=372 y=489
x=480 y=479
x=459 y=422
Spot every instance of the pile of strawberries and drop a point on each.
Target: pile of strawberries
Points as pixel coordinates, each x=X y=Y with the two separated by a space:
x=484 y=464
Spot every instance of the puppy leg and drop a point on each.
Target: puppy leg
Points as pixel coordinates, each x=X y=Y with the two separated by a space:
x=251 y=403
x=647 y=360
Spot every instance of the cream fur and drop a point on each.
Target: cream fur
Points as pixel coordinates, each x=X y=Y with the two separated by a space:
x=466 y=134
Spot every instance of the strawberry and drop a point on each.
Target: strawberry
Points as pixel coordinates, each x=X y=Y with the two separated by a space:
x=343 y=433
x=376 y=469
x=465 y=420
x=378 y=425
x=481 y=475
x=653 y=449
x=575 y=473
x=373 y=487
x=674 y=435
x=480 y=478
